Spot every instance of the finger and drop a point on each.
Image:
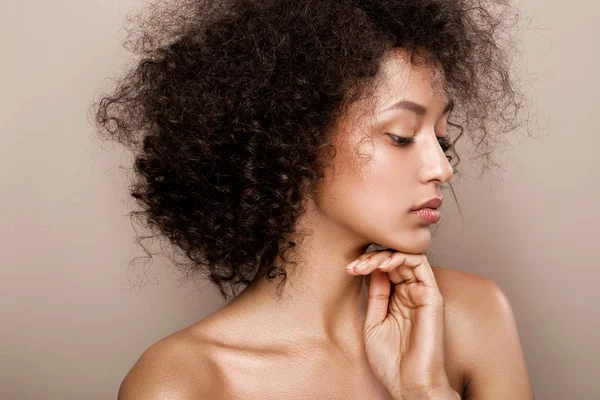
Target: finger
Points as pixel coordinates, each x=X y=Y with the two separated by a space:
x=395 y=277
x=407 y=273
x=379 y=297
x=369 y=262
x=414 y=266
x=424 y=273
x=402 y=273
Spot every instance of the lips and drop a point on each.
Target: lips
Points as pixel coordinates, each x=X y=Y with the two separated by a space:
x=433 y=203
x=429 y=215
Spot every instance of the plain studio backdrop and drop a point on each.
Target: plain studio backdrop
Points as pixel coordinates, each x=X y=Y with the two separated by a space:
x=72 y=325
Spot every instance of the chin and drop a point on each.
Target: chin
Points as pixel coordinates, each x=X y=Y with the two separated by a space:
x=413 y=241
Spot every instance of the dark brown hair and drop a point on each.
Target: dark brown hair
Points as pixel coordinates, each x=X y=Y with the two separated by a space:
x=228 y=106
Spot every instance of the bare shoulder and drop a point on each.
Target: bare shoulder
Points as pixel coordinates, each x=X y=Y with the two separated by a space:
x=455 y=284
x=471 y=301
x=469 y=292
x=178 y=367
x=474 y=300
x=483 y=326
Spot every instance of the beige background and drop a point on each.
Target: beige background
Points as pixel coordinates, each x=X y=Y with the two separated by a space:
x=72 y=327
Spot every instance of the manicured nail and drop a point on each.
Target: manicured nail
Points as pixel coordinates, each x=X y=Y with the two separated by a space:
x=352 y=264
x=362 y=263
x=383 y=264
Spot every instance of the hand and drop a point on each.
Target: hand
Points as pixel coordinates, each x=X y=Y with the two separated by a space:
x=404 y=330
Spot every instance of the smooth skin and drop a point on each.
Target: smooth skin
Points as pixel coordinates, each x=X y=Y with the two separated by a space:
x=311 y=343
x=404 y=331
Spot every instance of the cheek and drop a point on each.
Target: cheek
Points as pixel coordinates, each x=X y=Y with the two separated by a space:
x=371 y=197
x=386 y=188
x=374 y=201
x=389 y=179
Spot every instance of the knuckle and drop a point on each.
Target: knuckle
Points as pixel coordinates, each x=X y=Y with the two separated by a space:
x=379 y=296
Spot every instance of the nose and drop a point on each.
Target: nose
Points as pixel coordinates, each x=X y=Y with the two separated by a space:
x=435 y=164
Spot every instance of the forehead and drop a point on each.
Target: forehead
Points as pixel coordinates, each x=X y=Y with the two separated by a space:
x=400 y=78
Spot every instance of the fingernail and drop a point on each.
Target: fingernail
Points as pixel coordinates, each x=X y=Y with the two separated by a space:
x=352 y=264
x=383 y=264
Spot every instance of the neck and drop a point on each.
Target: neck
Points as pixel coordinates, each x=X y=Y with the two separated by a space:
x=320 y=301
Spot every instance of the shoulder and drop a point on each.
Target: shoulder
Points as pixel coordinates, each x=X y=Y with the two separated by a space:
x=178 y=367
x=482 y=320
x=475 y=300
x=468 y=291
x=474 y=303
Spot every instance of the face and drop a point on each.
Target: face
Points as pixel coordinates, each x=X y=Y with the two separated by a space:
x=390 y=159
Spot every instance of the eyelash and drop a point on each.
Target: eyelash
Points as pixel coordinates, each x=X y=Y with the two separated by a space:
x=402 y=141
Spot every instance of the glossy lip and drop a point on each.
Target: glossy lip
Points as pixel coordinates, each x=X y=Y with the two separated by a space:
x=430 y=215
x=434 y=203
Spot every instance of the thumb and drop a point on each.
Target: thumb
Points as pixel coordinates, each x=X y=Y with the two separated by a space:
x=379 y=298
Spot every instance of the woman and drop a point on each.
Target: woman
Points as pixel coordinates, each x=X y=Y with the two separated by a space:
x=276 y=142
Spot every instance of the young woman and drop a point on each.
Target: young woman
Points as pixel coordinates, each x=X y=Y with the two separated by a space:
x=277 y=141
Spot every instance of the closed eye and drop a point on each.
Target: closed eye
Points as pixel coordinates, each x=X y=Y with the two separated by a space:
x=403 y=141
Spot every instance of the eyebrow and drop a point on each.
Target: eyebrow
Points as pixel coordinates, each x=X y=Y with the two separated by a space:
x=415 y=107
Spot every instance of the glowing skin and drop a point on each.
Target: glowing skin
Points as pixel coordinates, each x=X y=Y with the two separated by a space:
x=374 y=200
x=311 y=339
x=362 y=202
x=309 y=344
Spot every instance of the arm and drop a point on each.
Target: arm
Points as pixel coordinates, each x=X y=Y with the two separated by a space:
x=497 y=369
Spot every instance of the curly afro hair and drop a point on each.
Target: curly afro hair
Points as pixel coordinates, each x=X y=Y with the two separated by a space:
x=229 y=107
